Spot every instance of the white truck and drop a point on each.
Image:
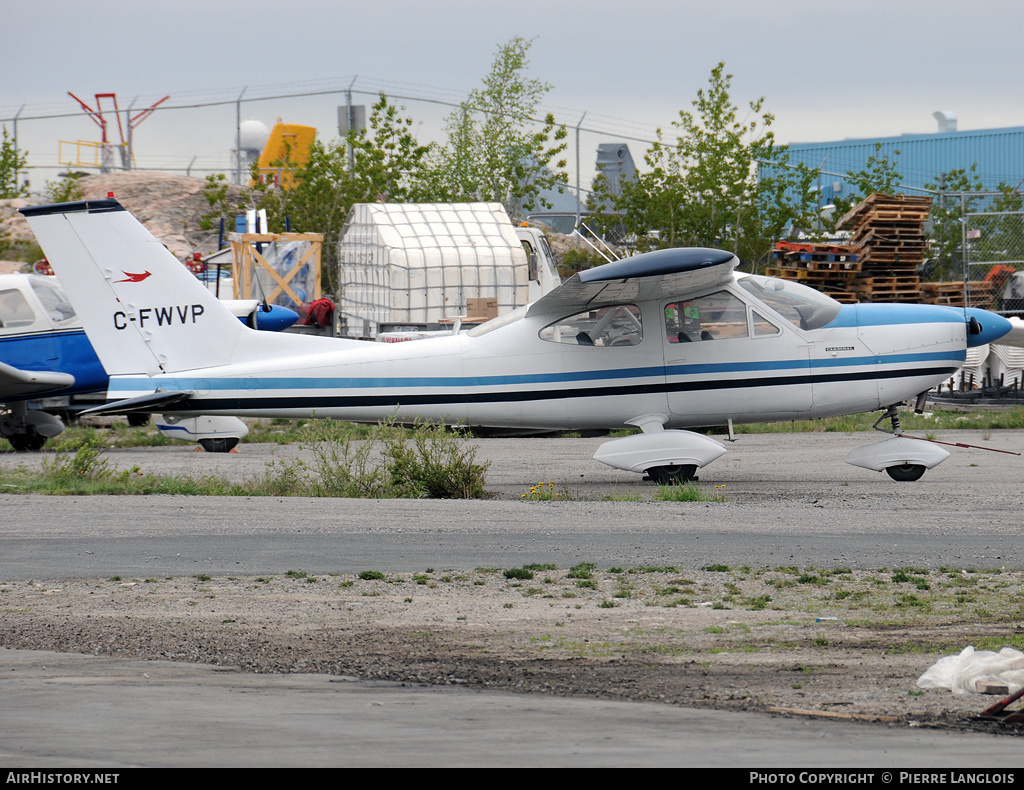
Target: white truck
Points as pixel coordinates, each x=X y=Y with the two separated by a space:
x=408 y=269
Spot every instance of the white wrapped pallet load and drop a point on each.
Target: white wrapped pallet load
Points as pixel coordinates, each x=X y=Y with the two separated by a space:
x=417 y=264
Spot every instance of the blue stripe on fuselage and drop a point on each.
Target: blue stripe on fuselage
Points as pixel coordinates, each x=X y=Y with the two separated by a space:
x=463 y=382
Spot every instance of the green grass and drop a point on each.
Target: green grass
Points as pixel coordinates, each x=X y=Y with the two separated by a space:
x=425 y=461
x=286 y=431
x=1012 y=418
x=687 y=492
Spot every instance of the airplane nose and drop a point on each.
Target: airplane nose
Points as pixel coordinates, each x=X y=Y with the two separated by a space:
x=984 y=327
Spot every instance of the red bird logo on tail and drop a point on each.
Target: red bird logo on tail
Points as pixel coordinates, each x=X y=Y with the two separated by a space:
x=133 y=277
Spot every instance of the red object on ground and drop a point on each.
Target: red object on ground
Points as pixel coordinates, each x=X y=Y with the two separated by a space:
x=319 y=312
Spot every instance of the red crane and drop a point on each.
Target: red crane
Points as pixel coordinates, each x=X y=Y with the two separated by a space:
x=101 y=121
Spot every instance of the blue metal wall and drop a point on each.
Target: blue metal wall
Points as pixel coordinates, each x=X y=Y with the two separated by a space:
x=999 y=154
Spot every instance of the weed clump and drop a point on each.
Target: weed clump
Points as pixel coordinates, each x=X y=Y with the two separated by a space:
x=426 y=460
x=688 y=492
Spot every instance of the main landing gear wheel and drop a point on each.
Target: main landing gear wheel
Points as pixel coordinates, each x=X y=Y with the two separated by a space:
x=672 y=475
x=29 y=442
x=224 y=445
x=905 y=473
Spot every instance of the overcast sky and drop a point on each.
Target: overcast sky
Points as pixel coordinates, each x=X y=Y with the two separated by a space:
x=827 y=70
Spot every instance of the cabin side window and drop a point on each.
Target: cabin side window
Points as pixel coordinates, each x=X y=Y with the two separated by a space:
x=717 y=316
x=603 y=327
x=14 y=309
x=762 y=326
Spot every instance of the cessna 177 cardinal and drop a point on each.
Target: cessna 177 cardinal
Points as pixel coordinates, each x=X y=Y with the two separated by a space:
x=662 y=341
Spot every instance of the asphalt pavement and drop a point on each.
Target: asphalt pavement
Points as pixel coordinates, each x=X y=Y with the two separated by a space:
x=788 y=499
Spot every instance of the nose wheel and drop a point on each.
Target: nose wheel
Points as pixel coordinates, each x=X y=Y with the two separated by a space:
x=905 y=473
x=672 y=475
x=903 y=458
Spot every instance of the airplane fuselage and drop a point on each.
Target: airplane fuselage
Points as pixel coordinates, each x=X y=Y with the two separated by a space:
x=661 y=341
x=752 y=364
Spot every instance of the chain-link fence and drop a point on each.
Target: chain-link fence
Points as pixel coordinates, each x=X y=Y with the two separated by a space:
x=994 y=244
x=200 y=133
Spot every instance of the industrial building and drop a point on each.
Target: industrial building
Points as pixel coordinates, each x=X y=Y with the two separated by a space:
x=922 y=159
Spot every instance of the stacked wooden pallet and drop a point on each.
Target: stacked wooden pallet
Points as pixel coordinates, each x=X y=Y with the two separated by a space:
x=979 y=292
x=889 y=230
x=827 y=267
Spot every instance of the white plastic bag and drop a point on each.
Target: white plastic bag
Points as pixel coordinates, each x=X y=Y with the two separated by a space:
x=962 y=673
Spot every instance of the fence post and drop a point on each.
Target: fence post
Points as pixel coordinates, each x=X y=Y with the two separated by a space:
x=238 y=136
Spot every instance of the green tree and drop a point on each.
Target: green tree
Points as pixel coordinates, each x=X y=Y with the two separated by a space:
x=955 y=195
x=495 y=150
x=709 y=187
x=318 y=200
x=12 y=161
x=64 y=190
x=388 y=164
x=998 y=232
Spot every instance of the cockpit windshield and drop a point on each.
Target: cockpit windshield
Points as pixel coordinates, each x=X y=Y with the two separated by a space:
x=800 y=305
x=53 y=298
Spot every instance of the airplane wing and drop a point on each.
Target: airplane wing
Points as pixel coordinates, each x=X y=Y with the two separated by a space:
x=651 y=275
x=17 y=383
x=154 y=401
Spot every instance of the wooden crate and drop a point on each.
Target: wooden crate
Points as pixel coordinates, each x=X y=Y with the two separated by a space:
x=246 y=257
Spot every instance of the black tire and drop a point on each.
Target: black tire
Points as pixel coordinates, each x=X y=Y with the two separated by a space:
x=672 y=475
x=224 y=445
x=905 y=473
x=28 y=442
x=138 y=419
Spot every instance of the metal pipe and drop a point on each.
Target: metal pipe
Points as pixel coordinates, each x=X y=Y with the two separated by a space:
x=578 y=206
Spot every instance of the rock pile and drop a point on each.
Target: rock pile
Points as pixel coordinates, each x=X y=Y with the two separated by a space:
x=170 y=206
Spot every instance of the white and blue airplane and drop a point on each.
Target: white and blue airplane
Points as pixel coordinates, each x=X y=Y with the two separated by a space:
x=44 y=353
x=663 y=341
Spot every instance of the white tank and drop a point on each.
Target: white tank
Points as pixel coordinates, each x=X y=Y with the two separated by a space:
x=253 y=135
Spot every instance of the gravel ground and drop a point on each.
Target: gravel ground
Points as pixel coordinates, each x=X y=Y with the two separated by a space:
x=697 y=638
x=832 y=642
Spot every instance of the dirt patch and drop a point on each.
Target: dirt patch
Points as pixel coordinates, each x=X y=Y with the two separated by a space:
x=732 y=639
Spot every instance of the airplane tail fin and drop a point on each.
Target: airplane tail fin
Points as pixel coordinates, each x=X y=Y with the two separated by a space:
x=143 y=311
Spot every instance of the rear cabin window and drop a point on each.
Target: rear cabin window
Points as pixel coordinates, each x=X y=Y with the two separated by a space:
x=604 y=327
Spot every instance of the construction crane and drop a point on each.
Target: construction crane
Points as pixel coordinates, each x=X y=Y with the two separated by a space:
x=105 y=148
